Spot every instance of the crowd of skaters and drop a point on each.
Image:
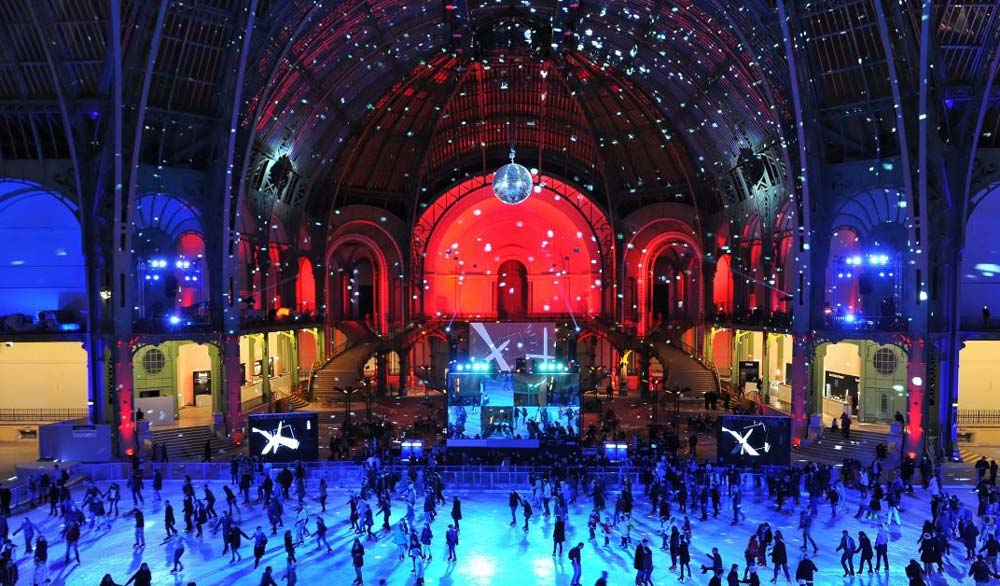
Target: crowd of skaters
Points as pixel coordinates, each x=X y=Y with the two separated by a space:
x=678 y=492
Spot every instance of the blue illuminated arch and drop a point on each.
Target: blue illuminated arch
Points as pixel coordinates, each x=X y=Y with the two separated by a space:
x=42 y=264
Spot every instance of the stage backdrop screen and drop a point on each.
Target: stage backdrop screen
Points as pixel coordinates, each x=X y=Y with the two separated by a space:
x=513 y=407
x=748 y=440
x=506 y=341
x=284 y=437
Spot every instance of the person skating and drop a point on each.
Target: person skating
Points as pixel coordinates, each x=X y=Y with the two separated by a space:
x=867 y=553
x=358 y=559
x=779 y=557
x=805 y=524
x=576 y=562
x=733 y=577
x=643 y=564
x=915 y=573
x=41 y=573
x=805 y=571
x=684 y=556
x=992 y=548
x=107 y=580
x=142 y=576
x=169 y=520
x=558 y=536
x=426 y=538
x=177 y=545
x=451 y=540
x=289 y=546
x=527 y=513
x=321 y=530
x=259 y=546
x=981 y=572
x=456 y=511
x=267 y=578
x=72 y=537
x=882 y=548
x=157 y=484
x=29 y=530
x=716 y=559
x=235 y=538
x=291 y=575
x=513 y=501
x=848 y=546
x=603 y=580
x=140 y=527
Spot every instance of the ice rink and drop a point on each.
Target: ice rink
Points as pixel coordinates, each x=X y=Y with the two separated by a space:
x=490 y=552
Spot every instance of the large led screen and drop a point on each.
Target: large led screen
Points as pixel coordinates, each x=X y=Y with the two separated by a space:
x=748 y=440
x=506 y=341
x=284 y=437
x=507 y=406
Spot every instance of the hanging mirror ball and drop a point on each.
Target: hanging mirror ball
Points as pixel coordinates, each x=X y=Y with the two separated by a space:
x=512 y=183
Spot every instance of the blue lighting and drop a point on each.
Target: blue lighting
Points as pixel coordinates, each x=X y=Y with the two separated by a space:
x=849 y=318
x=174 y=320
x=69 y=327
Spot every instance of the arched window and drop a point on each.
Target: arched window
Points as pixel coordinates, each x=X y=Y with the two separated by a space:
x=41 y=262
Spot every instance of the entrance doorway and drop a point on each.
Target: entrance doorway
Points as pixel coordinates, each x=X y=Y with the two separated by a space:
x=512 y=290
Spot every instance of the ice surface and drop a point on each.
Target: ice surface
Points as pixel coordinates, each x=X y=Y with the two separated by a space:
x=490 y=552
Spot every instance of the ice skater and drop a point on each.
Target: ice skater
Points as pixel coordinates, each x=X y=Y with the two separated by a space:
x=235 y=538
x=451 y=539
x=176 y=546
x=358 y=560
x=140 y=527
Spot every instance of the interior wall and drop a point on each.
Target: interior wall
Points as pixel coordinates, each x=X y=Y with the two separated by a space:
x=980 y=277
x=42 y=253
x=190 y=358
x=473 y=239
x=979 y=375
x=306 y=348
x=842 y=357
x=722 y=350
x=50 y=375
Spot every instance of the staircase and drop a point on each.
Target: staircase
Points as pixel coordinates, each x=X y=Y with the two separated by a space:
x=832 y=449
x=188 y=443
x=341 y=372
x=296 y=401
x=684 y=371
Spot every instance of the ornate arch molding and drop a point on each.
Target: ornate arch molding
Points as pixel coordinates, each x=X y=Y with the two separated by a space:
x=168 y=213
x=379 y=234
x=868 y=209
x=656 y=227
x=582 y=209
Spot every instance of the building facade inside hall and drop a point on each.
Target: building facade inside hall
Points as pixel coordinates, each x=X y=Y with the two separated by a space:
x=199 y=216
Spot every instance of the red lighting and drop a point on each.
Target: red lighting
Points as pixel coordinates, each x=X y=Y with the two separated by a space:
x=796 y=441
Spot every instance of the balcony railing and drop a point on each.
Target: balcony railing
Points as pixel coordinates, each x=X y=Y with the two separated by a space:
x=41 y=415
x=979 y=417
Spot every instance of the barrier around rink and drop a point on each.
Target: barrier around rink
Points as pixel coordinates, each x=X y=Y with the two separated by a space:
x=349 y=475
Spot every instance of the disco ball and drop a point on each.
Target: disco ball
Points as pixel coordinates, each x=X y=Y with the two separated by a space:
x=512 y=183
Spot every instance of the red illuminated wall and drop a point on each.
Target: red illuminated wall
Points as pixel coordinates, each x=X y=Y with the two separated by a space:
x=722 y=284
x=305 y=286
x=478 y=233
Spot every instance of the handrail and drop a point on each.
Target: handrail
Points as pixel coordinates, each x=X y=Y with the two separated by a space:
x=40 y=415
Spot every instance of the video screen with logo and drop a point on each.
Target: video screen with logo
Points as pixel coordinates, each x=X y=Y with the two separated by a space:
x=749 y=440
x=284 y=437
x=513 y=406
x=503 y=343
